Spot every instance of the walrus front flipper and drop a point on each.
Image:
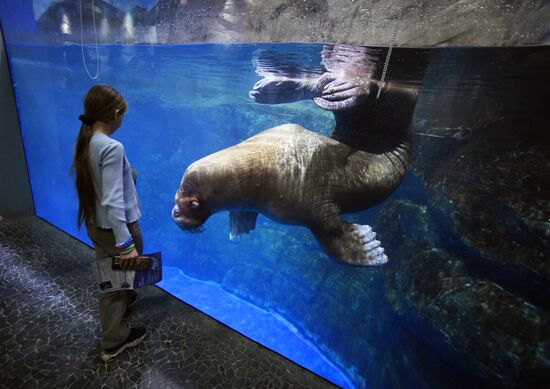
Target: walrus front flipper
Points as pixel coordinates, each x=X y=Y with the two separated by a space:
x=284 y=80
x=346 y=81
x=282 y=89
x=341 y=92
x=241 y=222
x=353 y=244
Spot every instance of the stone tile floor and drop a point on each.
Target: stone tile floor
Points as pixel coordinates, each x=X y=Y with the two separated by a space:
x=49 y=328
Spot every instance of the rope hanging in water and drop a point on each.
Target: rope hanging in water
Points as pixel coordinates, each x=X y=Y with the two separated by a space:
x=82 y=43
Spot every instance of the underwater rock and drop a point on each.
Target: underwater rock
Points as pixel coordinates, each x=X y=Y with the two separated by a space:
x=474 y=323
x=491 y=192
x=481 y=150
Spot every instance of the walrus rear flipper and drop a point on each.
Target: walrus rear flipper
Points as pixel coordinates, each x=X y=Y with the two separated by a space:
x=241 y=222
x=353 y=244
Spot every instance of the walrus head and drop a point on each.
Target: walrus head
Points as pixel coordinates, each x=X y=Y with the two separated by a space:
x=190 y=210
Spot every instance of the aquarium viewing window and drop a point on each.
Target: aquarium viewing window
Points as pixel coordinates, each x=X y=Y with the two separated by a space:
x=348 y=237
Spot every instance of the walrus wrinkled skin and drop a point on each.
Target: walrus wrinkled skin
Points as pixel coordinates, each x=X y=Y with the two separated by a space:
x=296 y=176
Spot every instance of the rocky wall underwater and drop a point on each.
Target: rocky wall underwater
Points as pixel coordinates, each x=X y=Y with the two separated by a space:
x=374 y=205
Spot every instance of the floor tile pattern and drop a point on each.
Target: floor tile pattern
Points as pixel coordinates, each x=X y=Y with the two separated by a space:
x=49 y=328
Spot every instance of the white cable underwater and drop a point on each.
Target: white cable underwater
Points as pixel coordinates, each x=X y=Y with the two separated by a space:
x=381 y=83
x=82 y=43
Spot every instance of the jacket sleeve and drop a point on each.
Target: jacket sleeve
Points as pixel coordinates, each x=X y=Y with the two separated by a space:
x=112 y=158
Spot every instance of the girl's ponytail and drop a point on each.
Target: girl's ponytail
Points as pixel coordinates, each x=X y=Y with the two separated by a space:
x=84 y=182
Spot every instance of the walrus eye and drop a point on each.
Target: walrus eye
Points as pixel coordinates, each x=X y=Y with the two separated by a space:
x=194 y=204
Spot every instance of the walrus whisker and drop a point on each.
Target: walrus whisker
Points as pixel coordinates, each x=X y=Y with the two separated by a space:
x=432 y=135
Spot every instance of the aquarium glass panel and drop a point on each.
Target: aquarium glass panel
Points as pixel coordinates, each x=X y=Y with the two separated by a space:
x=371 y=213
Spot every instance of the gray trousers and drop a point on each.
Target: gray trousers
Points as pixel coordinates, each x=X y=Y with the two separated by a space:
x=112 y=306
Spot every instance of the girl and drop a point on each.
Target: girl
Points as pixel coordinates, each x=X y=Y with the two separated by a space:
x=108 y=205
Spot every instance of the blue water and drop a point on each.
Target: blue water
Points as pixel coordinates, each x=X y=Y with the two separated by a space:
x=275 y=285
x=264 y=326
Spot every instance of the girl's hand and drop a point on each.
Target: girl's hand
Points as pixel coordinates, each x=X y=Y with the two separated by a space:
x=130 y=260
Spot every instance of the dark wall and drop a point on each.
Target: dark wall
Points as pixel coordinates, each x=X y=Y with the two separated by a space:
x=15 y=191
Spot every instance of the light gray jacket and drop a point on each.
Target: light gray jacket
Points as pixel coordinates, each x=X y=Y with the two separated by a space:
x=117 y=201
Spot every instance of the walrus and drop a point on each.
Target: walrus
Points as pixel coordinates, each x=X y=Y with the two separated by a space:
x=296 y=176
